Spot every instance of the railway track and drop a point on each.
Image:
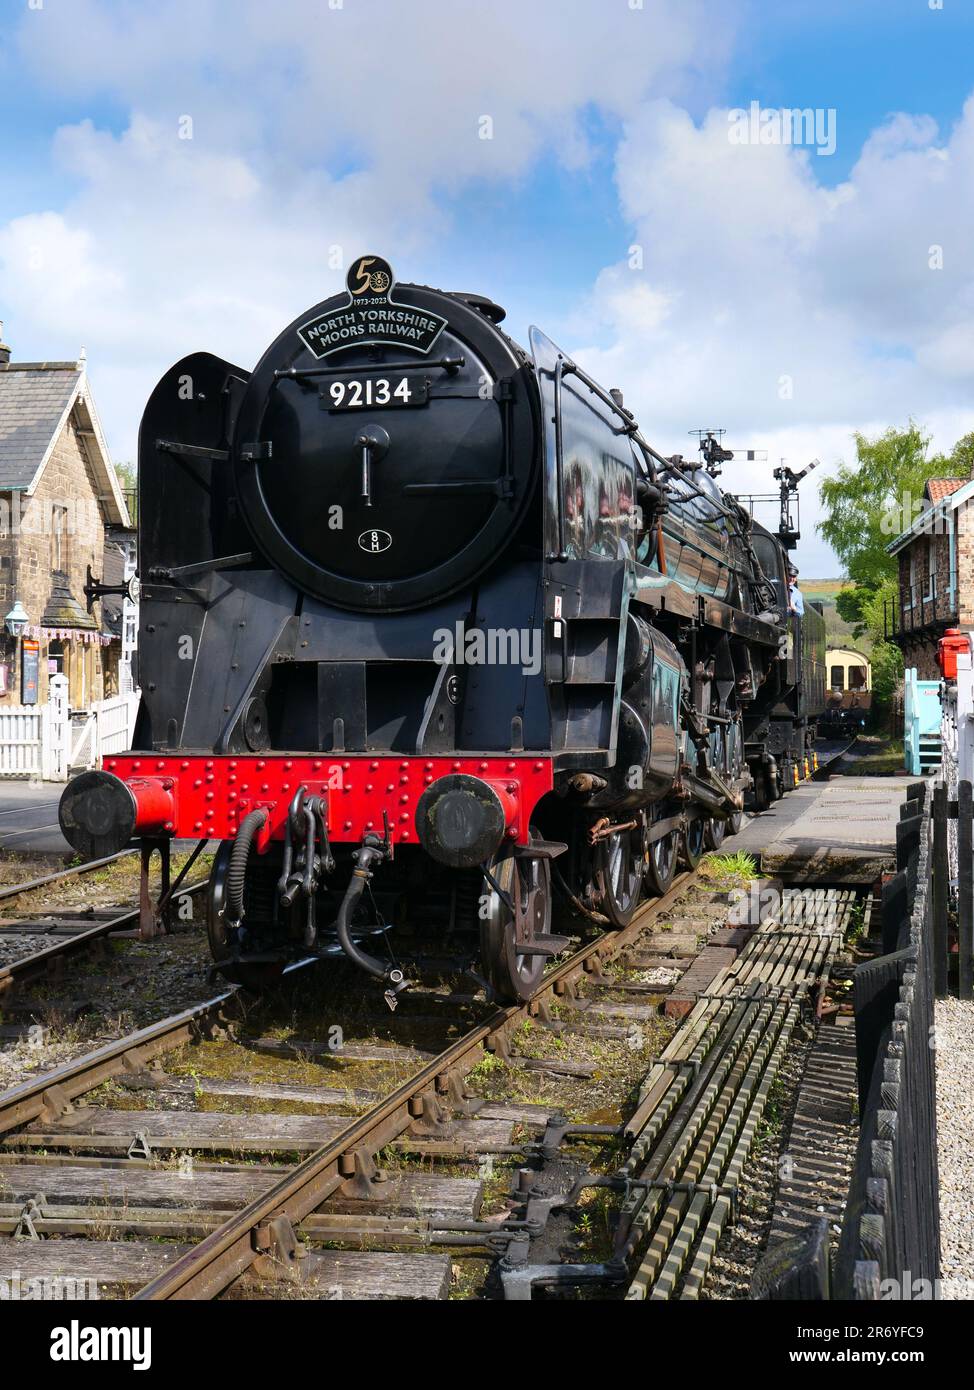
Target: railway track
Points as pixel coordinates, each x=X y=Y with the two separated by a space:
x=829 y=753
x=701 y=1104
x=74 y=936
x=103 y=1187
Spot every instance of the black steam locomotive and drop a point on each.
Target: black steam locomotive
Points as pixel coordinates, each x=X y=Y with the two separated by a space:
x=427 y=626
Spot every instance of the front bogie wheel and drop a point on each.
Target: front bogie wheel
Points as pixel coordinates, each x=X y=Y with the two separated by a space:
x=515 y=912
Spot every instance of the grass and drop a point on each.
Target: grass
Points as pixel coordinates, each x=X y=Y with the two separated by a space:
x=728 y=870
x=117 y=882
x=857 y=923
x=883 y=758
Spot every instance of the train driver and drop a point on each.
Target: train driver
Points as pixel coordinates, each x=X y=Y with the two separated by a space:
x=796 y=604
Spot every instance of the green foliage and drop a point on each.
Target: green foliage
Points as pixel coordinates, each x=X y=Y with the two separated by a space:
x=848 y=605
x=887 y=659
x=868 y=505
x=873 y=501
x=128 y=481
x=887 y=662
x=726 y=869
x=961 y=458
x=488 y=1063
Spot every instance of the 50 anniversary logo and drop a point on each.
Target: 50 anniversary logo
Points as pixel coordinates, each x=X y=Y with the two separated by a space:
x=371 y=316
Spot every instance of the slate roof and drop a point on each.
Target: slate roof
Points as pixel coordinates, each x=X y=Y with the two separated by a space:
x=950 y=501
x=62 y=608
x=34 y=397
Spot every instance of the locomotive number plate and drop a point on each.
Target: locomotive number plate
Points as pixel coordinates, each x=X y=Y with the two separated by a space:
x=372 y=392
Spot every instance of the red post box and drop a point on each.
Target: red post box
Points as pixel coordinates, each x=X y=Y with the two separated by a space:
x=952 y=642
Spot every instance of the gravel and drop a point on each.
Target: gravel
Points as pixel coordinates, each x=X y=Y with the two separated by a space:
x=16 y=946
x=659 y=975
x=955 y=1144
x=741 y=1246
x=99 y=999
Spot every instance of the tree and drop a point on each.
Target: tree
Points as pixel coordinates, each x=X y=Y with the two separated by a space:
x=868 y=505
x=885 y=657
x=128 y=481
x=127 y=476
x=871 y=503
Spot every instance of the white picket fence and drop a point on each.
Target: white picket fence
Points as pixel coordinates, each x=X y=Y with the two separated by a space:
x=22 y=738
x=47 y=742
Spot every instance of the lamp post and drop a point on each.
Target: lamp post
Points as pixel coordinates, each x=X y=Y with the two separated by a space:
x=15 y=623
x=16 y=620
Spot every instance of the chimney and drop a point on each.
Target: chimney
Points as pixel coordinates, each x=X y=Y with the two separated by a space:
x=4 y=350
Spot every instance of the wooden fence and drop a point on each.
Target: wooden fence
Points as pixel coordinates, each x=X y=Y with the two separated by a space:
x=889 y=1245
x=47 y=742
x=22 y=738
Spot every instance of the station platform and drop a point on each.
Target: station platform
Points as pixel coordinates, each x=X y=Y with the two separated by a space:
x=839 y=831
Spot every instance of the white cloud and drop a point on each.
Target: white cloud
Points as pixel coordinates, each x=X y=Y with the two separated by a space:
x=789 y=312
x=786 y=311
x=312 y=126
x=399 y=87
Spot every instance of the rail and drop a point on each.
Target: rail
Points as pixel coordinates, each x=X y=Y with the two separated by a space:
x=227 y=1252
x=18 y=972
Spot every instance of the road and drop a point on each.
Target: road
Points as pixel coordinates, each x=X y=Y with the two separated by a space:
x=28 y=819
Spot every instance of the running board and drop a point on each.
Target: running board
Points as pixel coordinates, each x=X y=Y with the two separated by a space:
x=546 y=946
x=540 y=849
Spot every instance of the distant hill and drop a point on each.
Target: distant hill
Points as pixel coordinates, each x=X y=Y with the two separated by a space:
x=838 y=631
x=824 y=590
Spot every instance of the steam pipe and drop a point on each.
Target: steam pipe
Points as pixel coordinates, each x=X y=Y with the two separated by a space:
x=237 y=870
x=373 y=851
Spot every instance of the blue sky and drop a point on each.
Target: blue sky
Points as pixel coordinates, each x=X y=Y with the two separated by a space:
x=782 y=293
